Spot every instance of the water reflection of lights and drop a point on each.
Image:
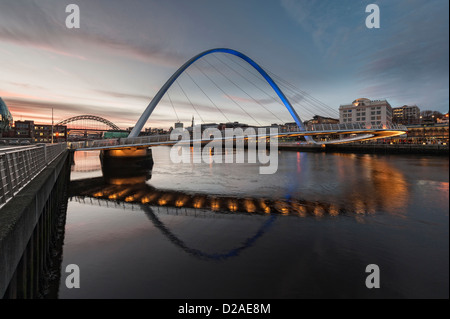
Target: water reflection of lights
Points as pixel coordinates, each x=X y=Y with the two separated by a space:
x=135 y=197
x=148 y=198
x=319 y=211
x=232 y=205
x=299 y=209
x=105 y=192
x=215 y=204
x=249 y=206
x=127 y=181
x=380 y=187
x=120 y=194
x=86 y=162
x=375 y=186
x=198 y=202
x=333 y=210
x=264 y=206
x=181 y=201
x=144 y=194
x=282 y=207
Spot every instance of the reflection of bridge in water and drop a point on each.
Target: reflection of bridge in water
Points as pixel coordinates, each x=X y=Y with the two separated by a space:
x=135 y=195
x=123 y=194
x=200 y=254
x=132 y=193
x=153 y=212
x=156 y=202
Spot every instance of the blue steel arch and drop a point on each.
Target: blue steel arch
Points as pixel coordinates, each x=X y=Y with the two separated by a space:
x=148 y=111
x=249 y=242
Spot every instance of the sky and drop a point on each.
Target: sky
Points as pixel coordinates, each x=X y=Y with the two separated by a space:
x=124 y=51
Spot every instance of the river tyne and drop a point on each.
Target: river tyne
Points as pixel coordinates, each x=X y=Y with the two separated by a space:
x=225 y=231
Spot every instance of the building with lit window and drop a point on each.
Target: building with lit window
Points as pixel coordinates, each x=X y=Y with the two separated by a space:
x=24 y=129
x=366 y=112
x=317 y=119
x=6 y=119
x=428 y=133
x=43 y=133
x=443 y=120
x=39 y=133
x=406 y=114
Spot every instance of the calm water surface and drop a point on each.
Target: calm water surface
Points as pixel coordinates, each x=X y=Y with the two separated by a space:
x=392 y=211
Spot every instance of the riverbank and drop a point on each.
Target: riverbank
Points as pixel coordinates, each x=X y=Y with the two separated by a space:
x=441 y=150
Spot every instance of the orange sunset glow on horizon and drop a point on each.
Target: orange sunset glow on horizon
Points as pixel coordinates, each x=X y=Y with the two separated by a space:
x=115 y=63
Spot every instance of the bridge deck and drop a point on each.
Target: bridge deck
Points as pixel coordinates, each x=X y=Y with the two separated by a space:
x=359 y=133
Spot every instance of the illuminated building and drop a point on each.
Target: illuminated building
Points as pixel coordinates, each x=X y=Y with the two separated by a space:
x=39 y=133
x=24 y=129
x=317 y=119
x=406 y=114
x=366 y=112
x=289 y=127
x=432 y=133
x=443 y=120
x=43 y=133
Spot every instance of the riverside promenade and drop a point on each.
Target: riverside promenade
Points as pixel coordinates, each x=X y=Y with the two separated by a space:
x=372 y=148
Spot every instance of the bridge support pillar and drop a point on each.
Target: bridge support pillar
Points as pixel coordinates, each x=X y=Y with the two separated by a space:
x=127 y=166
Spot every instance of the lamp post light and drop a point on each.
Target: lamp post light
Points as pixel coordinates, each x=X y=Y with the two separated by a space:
x=52 y=125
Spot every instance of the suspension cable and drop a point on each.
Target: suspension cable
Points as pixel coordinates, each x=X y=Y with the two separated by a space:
x=176 y=114
x=189 y=100
x=304 y=93
x=309 y=99
x=311 y=113
x=256 y=101
x=229 y=97
x=207 y=96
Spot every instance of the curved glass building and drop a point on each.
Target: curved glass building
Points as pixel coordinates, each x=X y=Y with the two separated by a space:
x=6 y=119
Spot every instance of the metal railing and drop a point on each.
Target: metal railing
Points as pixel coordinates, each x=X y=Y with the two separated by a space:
x=93 y=143
x=355 y=126
x=121 y=141
x=145 y=139
x=18 y=166
x=165 y=138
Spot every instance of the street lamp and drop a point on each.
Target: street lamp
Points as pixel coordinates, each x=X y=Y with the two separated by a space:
x=52 y=125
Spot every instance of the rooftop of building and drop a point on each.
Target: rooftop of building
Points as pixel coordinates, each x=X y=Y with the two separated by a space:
x=405 y=106
x=364 y=102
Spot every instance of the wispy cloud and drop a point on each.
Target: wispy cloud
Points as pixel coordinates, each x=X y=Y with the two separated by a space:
x=323 y=21
x=412 y=64
x=122 y=95
x=33 y=109
x=406 y=59
x=28 y=24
